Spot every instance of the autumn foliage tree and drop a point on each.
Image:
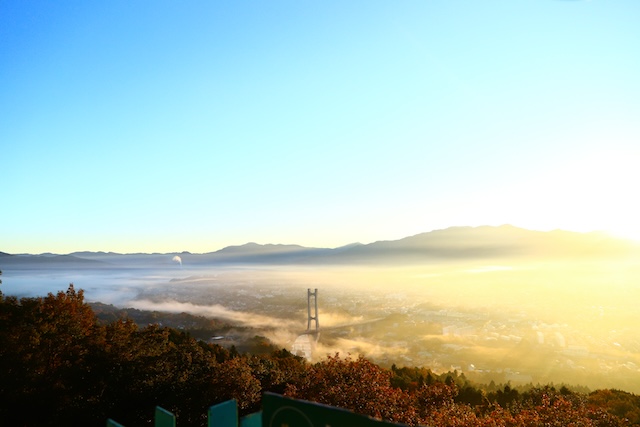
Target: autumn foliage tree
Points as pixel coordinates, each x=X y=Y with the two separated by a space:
x=58 y=364
x=355 y=384
x=617 y=402
x=44 y=346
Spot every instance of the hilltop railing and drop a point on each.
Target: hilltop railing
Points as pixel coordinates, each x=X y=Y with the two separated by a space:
x=277 y=411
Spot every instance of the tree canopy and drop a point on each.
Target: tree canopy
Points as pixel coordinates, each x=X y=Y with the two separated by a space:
x=59 y=365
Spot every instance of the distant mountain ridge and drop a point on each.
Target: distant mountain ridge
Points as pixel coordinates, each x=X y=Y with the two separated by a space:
x=48 y=260
x=454 y=243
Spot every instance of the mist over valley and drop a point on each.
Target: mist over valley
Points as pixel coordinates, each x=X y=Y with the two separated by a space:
x=497 y=303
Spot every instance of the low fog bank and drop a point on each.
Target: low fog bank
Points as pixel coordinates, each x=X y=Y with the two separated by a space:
x=521 y=322
x=217 y=311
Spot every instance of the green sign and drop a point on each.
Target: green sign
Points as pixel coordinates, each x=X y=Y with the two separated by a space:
x=279 y=411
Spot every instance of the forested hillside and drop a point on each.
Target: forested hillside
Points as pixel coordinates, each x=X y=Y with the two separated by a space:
x=61 y=365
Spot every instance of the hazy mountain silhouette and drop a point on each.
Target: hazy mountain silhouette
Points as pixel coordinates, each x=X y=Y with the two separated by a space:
x=47 y=260
x=488 y=242
x=455 y=243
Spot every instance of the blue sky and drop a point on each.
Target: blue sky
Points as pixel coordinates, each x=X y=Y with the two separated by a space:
x=168 y=126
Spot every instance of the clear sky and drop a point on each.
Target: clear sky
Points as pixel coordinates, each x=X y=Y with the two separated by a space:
x=162 y=126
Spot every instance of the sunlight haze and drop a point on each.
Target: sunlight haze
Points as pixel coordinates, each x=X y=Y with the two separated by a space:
x=206 y=200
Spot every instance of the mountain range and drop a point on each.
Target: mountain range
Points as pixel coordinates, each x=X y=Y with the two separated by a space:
x=455 y=243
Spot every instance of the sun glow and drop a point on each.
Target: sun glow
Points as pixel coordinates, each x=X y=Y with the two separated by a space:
x=612 y=179
x=629 y=234
x=591 y=192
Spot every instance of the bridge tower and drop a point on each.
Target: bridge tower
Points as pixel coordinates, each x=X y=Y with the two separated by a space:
x=305 y=344
x=313 y=317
